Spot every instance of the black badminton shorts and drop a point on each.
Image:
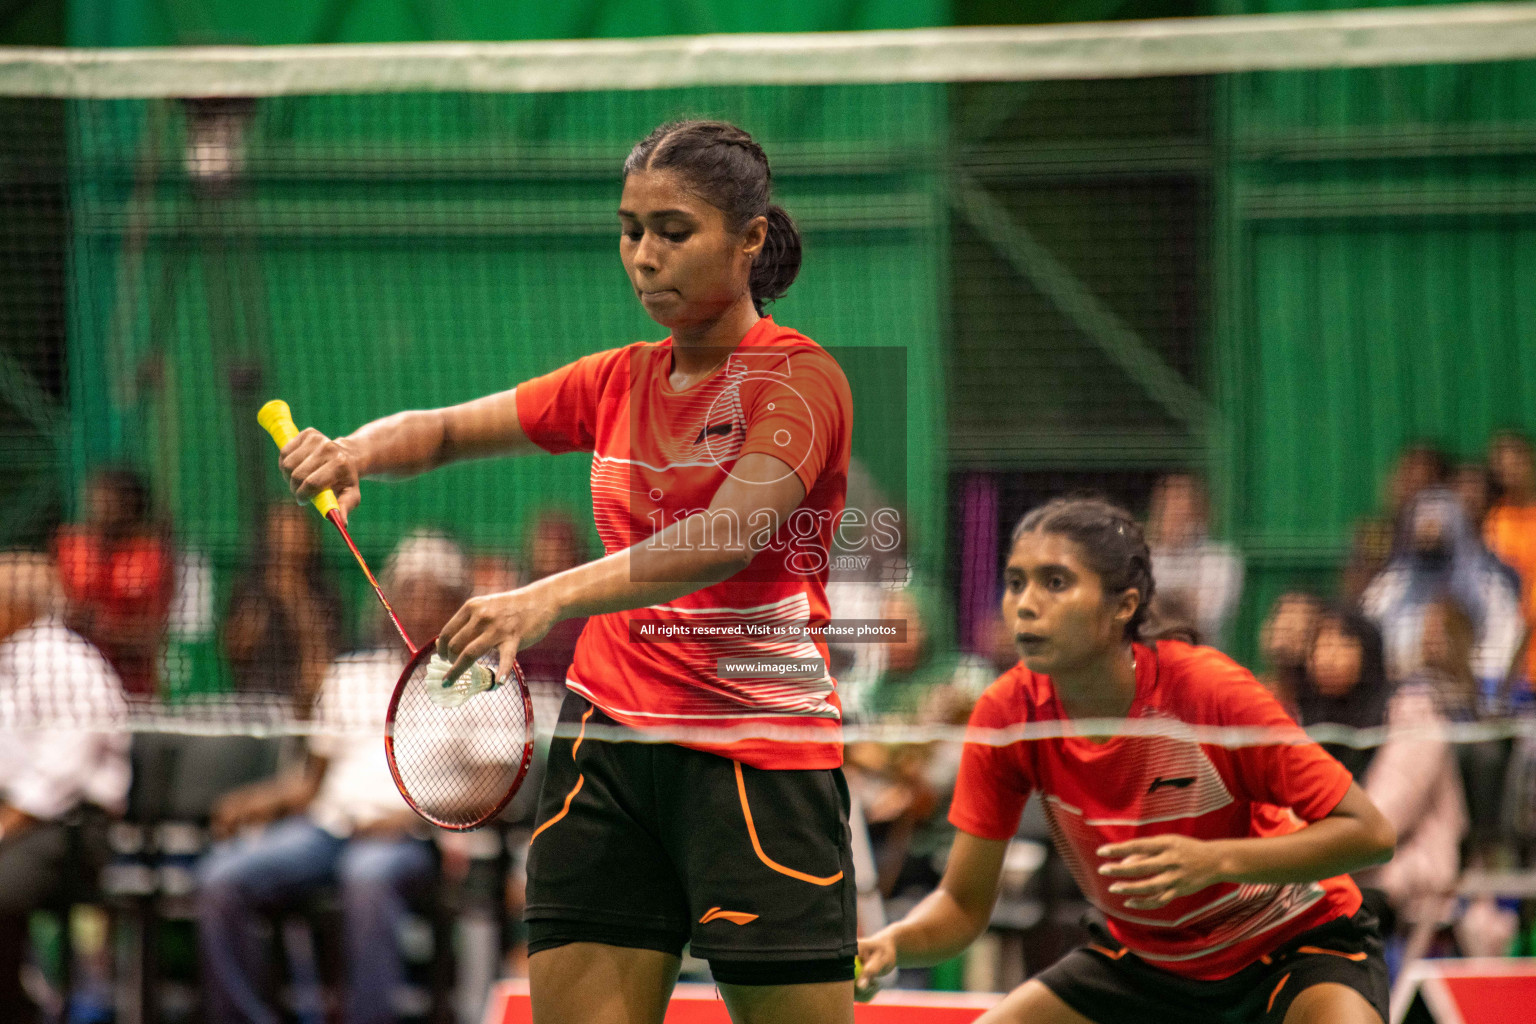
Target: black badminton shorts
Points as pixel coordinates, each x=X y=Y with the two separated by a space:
x=655 y=846
x=1108 y=984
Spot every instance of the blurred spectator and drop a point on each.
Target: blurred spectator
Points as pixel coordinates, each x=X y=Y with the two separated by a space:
x=857 y=667
x=932 y=837
x=1473 y=484
x=118 y=573
x=1438 y=556
x=1203 y=575
x=1373 y=539
x=555 y=544
x=338 y=819
x=913 y=666
x=1285 y=641
x=1445 y=656
x=1171 y=617
x=906 y=654
x=905 y=790
x=892 y=787
x=1345 y=683
x=63 y=760
x=1446 y=652
x=869 y=565
x=1420 y=466
x=1413 y=776
x=1510 y=528
x=856 y=592
x=284 y=623
x=493 y=573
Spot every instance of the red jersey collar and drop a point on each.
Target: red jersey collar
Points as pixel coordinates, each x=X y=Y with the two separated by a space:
x=759 y=333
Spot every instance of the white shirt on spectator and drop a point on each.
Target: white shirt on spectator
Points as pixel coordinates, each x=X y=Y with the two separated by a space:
x=63 y=724
x=1387 y=602
x=856 y=599
x=357 y=790
x=1208 y=575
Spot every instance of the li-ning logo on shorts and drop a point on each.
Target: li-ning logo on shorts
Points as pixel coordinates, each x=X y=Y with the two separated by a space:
x=1180 y=783
x=733 y=916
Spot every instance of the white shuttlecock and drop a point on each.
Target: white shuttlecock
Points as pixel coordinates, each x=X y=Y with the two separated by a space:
x=477 y=679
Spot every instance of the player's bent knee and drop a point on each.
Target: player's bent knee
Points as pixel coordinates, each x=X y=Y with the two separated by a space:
x=1331 y=1003
x=1033 y=1003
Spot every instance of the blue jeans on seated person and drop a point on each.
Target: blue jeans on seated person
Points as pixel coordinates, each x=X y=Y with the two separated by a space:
x=241 y=878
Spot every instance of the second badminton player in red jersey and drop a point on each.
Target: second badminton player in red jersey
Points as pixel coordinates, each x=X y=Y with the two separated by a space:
x=719 y=468
x=1220 y=871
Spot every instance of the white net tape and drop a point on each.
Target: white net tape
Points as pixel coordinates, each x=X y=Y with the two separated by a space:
x=244 y=716
x=1452 y=33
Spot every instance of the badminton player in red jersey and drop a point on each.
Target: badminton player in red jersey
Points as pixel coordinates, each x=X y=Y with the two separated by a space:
x=1220 y=870
x=719 y=468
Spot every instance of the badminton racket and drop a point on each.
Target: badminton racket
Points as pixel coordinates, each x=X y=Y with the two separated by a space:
x=458 y=751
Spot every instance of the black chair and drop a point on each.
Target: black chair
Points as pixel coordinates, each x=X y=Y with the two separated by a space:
x=177 y=780
x=86 y=852
x=1485 y=769
x=130 y=880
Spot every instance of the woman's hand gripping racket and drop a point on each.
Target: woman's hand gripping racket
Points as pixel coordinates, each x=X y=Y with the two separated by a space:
x=458 y=751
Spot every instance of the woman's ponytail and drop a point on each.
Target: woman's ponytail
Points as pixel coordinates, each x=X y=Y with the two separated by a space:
x=778 y=262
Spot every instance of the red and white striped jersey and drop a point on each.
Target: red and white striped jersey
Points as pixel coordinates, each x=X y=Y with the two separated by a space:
x=1132 y=786
x=659 y=455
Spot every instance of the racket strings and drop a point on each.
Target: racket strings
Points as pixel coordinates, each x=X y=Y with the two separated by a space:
x=459 y=763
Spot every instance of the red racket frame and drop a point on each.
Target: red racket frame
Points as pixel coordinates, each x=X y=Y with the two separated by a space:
x=389 y=743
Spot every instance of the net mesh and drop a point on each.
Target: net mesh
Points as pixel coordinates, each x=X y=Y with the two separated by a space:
x=1272 y=249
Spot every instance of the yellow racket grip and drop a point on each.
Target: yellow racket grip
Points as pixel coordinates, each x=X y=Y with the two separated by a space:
x=277 y=419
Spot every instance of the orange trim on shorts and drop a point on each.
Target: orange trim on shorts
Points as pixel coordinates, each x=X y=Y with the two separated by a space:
x=746 y=812
x=564 y=810
x=580 y=779
x=1331 y=952
x=1276 y=992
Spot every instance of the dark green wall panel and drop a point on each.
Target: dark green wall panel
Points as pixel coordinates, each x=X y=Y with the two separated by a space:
x=1378 y=228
